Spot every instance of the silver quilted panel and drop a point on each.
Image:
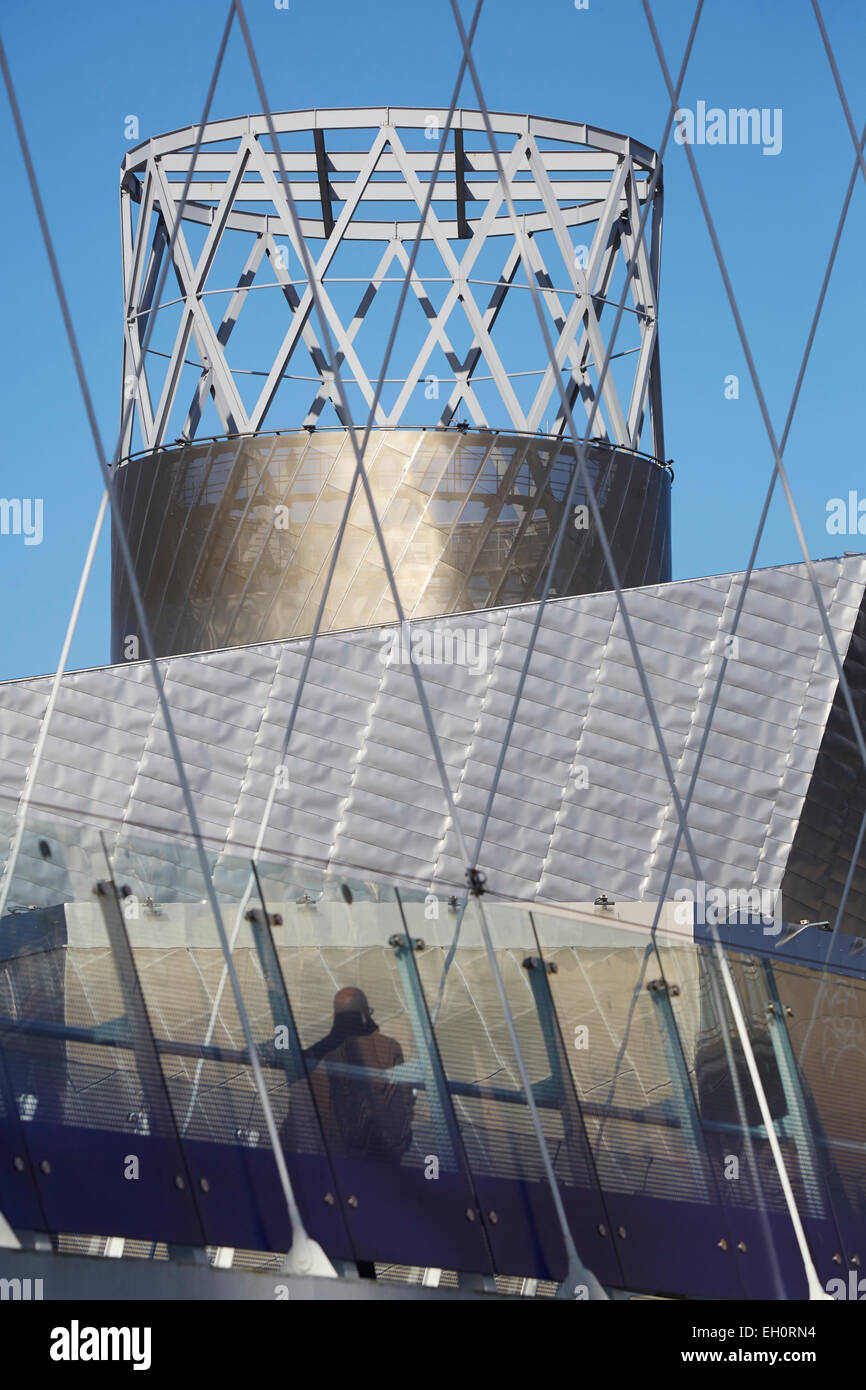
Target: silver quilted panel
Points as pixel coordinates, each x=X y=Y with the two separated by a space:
x=583 y=804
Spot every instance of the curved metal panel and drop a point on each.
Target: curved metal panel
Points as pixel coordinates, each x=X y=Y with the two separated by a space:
x=234 y=537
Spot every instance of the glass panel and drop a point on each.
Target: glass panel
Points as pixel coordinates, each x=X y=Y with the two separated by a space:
x=774 y=1258
x=627 y=1065
x=84 y=1103
x=128 y=1105
x=495 y=1122
x=825 y=1023
x=216 y=1103
x=394 y=1146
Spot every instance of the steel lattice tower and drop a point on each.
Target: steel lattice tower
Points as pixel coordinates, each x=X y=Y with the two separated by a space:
x=237 y=460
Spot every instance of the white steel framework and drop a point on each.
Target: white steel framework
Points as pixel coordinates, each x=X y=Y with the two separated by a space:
x=578 y=195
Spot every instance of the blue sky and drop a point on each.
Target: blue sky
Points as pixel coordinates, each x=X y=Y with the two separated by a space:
x=81 y=70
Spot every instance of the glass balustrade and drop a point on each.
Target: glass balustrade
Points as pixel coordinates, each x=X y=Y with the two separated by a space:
x=129 y=1105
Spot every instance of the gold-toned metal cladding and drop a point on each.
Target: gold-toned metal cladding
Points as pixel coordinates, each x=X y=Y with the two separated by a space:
x=247 y=526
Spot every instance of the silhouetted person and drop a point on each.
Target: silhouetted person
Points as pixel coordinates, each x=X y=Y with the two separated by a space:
x=362 y=1116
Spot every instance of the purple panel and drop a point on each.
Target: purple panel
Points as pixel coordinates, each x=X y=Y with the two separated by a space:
x=404 y=1218
x=244 y=1205
x=525 y=1236
x=83 y=1188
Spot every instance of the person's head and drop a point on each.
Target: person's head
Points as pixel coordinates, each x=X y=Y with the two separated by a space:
x=350 y=1004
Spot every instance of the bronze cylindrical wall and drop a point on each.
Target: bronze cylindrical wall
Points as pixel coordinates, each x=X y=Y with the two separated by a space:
x=232 y=538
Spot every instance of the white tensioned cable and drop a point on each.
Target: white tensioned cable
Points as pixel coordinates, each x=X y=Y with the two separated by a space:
x=762 y=522
x=307 y=1254
x=130 y=397
x=580 y=472
x=778 y=450
x=819 y=993
x=750 y=567
x=858 y=164
x=765 y=511
x=814 y=1285
x=762 y=404
x=596 y=515
x=578 y=1275
x=638 y=661
x=855 y=856
x=338 y=541
x=815 y=1289
x=763 y=1215
x=723 y=669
